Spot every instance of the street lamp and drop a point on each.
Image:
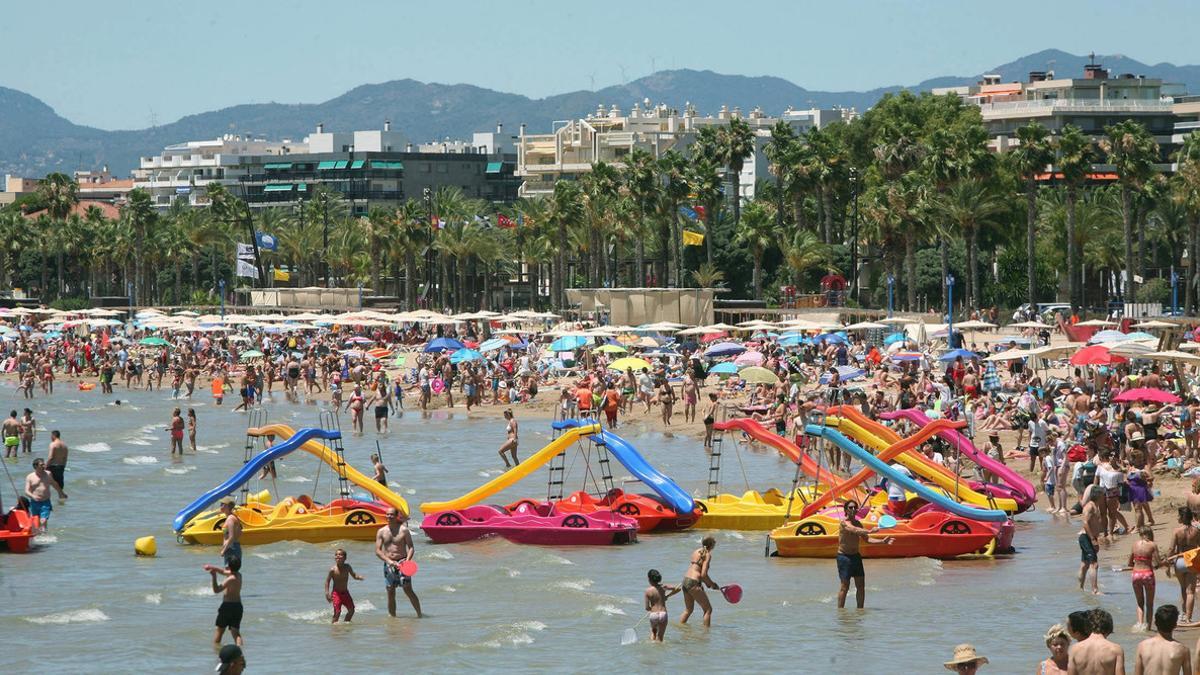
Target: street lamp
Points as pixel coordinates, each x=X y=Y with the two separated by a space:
x=427 y=194
x=854 y=235
x=949 y=308
x=891 y=284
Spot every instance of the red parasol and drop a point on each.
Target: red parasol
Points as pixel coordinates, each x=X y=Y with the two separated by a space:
x=1147 y=394
x=1095 y=355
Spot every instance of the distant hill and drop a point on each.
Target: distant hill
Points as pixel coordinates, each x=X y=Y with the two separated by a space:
x=34 y=140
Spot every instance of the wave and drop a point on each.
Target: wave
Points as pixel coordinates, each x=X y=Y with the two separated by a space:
x=295 y=479
x=94 y=447
x=154 y=598
x=45 y=539
x=557 y=559
x=277 y=554
x=581 y=585
x=214 y=446
x=311 y=616
x=449 y=589
x=73 y=616
x=140 y=459
x=180 y=470
x=610 y=610
x=137 y=441
x=439 y=554
x=201 y=592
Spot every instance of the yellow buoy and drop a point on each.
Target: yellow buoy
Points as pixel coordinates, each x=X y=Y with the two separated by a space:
x=145 y=546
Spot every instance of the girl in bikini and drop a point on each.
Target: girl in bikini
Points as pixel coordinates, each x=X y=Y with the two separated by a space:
x=656 y=605
x=1144 y=558
x=694 y=581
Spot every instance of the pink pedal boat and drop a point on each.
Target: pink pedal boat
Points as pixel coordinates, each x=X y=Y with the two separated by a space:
x=530 y=523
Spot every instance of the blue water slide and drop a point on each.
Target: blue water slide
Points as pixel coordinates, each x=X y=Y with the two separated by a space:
x=249 y=470
x=881 y=468
x=627 y=455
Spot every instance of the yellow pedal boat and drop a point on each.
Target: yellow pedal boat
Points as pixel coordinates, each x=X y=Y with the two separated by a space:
x=293 y=518
x=755 y=510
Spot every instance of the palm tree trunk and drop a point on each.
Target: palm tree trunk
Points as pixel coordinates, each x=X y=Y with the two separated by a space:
x=487 y=288
x=1031 y=237
x=732 y=177
x=1194 y=276
x=758 y=255
x=1072 y=253
x=461 y=295
x=410 y=280
x=639 y=259
x=677 y=245
x=1140 y=216
x=827 y=212
x=1127 y=217
x=58 y=263
x=910 y=270
x=444 y=280
x=944 y=258
x=533 y=268
x=972 y=268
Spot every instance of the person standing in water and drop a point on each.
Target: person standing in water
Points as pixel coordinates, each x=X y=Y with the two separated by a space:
x=11 y=430
x=656 y=605
x=394 y=545
x=1163 y=653
x=191 y=429
x=380 y=471
x=339 y=578
x=1144 y=559
x=231 y=548
x=229 y=614
x=695 y=579
x=28 y=431
x=510 y=443
x=56 y=458
x=849 y=560
x=176 y=430
x=1089 y=538
x=37 y=489
x=1185 y=538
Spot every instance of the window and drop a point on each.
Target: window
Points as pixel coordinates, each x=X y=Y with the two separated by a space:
x=441 y=168
x=425 y=167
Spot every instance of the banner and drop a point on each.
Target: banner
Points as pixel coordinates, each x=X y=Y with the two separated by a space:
x=245 y=269
x=689 y=213
x=282 y=275
x=245 y=252
x=503 y=221
x=266 y=242
x=692 y=238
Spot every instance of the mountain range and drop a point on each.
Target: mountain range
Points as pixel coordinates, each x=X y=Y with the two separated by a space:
x=34 y=140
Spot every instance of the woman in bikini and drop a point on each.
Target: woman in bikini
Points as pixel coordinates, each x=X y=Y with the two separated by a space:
x=510 y=443
x=1144 y=558
x=691 y=395
x=710 y=418
x=355 y=406
x=656 y=605
x=666 y=396
x=191 y=427
x=694 y=581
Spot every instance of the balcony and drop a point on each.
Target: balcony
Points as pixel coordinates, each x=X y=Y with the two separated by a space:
x=1052 y=106
x=292 y=196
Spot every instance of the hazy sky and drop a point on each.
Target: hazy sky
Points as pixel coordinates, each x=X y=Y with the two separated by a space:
x=123 y=63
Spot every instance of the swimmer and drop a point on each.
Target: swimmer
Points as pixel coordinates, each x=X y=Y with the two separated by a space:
x=176 y=430
x=37 y=489
x=339 y=578
x=394 y=545
x=656 y=605
x=11 y=430
x=232 y=661
x=229 y=614
x=191 y=429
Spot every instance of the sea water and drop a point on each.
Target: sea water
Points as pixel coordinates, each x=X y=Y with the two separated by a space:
x=492 y=606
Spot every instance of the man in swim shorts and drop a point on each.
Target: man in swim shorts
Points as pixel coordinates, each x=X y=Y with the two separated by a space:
x=37 y=489
x=849 y=560
x=337 y=586
x=229 y=614
x=394 y=545
x=231 y=549
x=10 y=429
x=56 y=458
x=1089 y=537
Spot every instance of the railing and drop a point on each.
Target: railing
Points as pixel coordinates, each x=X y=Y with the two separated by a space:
x=286 y=196
x=321 y=175
x=1051 y=105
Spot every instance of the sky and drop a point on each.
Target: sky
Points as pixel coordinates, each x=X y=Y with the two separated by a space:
x=127 y=64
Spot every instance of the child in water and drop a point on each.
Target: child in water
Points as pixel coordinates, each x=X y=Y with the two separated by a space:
x=656 y=604
x=339 y=578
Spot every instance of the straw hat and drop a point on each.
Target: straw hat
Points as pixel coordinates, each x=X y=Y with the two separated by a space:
x=965 y=653
x=1137 y=436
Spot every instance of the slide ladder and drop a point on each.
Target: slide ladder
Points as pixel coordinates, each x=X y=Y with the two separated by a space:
x=556 y=468
x=602 y=459
x=256 y=417
x=329 y=420
x=714 y=465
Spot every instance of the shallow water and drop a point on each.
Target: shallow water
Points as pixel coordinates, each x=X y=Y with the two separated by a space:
x=492 y=605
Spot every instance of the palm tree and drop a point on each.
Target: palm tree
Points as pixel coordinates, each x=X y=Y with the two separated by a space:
x=379 y=224
x=1029 y=159
x=736 y=143
x=806 y=250
x=1075 y=157
x=59 y=193
x=644 y=188
x=707 y=275
x=14 y=235
x=566 y=210
x=138 y=211
x=675 y=190
x=1185 y=189
x=971 y=206
x=757 y=232
x=409 y=238
x=1132 y=151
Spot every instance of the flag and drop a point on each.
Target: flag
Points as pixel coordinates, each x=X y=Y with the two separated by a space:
x=692 y=238
x=700 y=211
x=689 y=213
x=282 y=275
x=245 y=252
x=266 y=242
x=245 y=269
x=436 y=222
x=503 y=220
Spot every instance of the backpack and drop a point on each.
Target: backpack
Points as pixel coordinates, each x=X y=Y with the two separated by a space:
x=1077 y=453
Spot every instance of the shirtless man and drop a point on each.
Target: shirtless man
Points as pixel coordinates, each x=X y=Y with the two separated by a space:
x=339 y=578
x=37 y=489
x=56 y=458
x=231 y=548
x=229 y=614
x=11 y=430
x=394 y=545
x=382 y=400
x=1162 y=653
x=849 y=560
x=1185 y=538
x=1097 y=655
x=1089 y=537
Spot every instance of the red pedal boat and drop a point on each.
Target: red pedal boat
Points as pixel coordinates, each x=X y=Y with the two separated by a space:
x=649 y=512
x=530 y=523
x=16 y=530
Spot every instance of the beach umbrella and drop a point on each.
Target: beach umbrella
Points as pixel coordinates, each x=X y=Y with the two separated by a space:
x=379 y=353
x=1097 y=323
x=836 y=338
x=724 y=349
x=252 y=354
x=153 y=341
x=845 y=374
x=1172 y=356
x=629 y=362
x=1140 y=335
x=758 y=375
x=1030 y=324
x=713 y=337
x=568 y=343
x=493 y=344
x=955 y=353
x=1134 y=348
x=465 y=355
x=866 y=325
x=792 y=340
x=610 y=349
x=1154 y=323
x=750 y=359
x=1108 y=336
x=359 y=340
x=894 y=338
x=1095 y=355
x=974 y=324
x=443 y=344
x=724 y=368
x=907 y=356
x=1009 y=355
x=1147 y=394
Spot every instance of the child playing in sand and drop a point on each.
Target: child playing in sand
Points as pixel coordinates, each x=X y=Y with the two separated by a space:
x=339 y=577
x=656 y=604
x=229 y=614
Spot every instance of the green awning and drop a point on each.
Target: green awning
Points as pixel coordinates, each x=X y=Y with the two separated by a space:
x=302 y=187
x=277 y=187
x=340 y=164
x=495 y=167
x=357 y=164
x=278 y=166
x=380 y=164
x=323 y=166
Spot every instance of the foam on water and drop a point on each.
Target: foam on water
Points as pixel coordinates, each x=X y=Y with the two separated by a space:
x=45 y=539
x=512 y=573
x=610 y=610
x=95 y=482
x=439 y=554
x=311 y=616
x=449 y=589
x=295 y=479
x=94 y=447
x=214 y=446
x=580 y=585
x=410 y=491
x=140 y=459
x=180 y=470
x=137 y=441
x=277 y=554
x=153 y=598
x=201 y=592
x=550 y=557
x=73 y=616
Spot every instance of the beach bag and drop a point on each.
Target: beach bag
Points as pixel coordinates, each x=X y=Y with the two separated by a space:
x=1077 y=453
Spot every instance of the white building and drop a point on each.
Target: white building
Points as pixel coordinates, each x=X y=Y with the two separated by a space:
x=182 y=169
x=573 y=146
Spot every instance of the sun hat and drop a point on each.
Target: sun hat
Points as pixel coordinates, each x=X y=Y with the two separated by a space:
x=1137 y=436
x=228 y=500
x=965 y=653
